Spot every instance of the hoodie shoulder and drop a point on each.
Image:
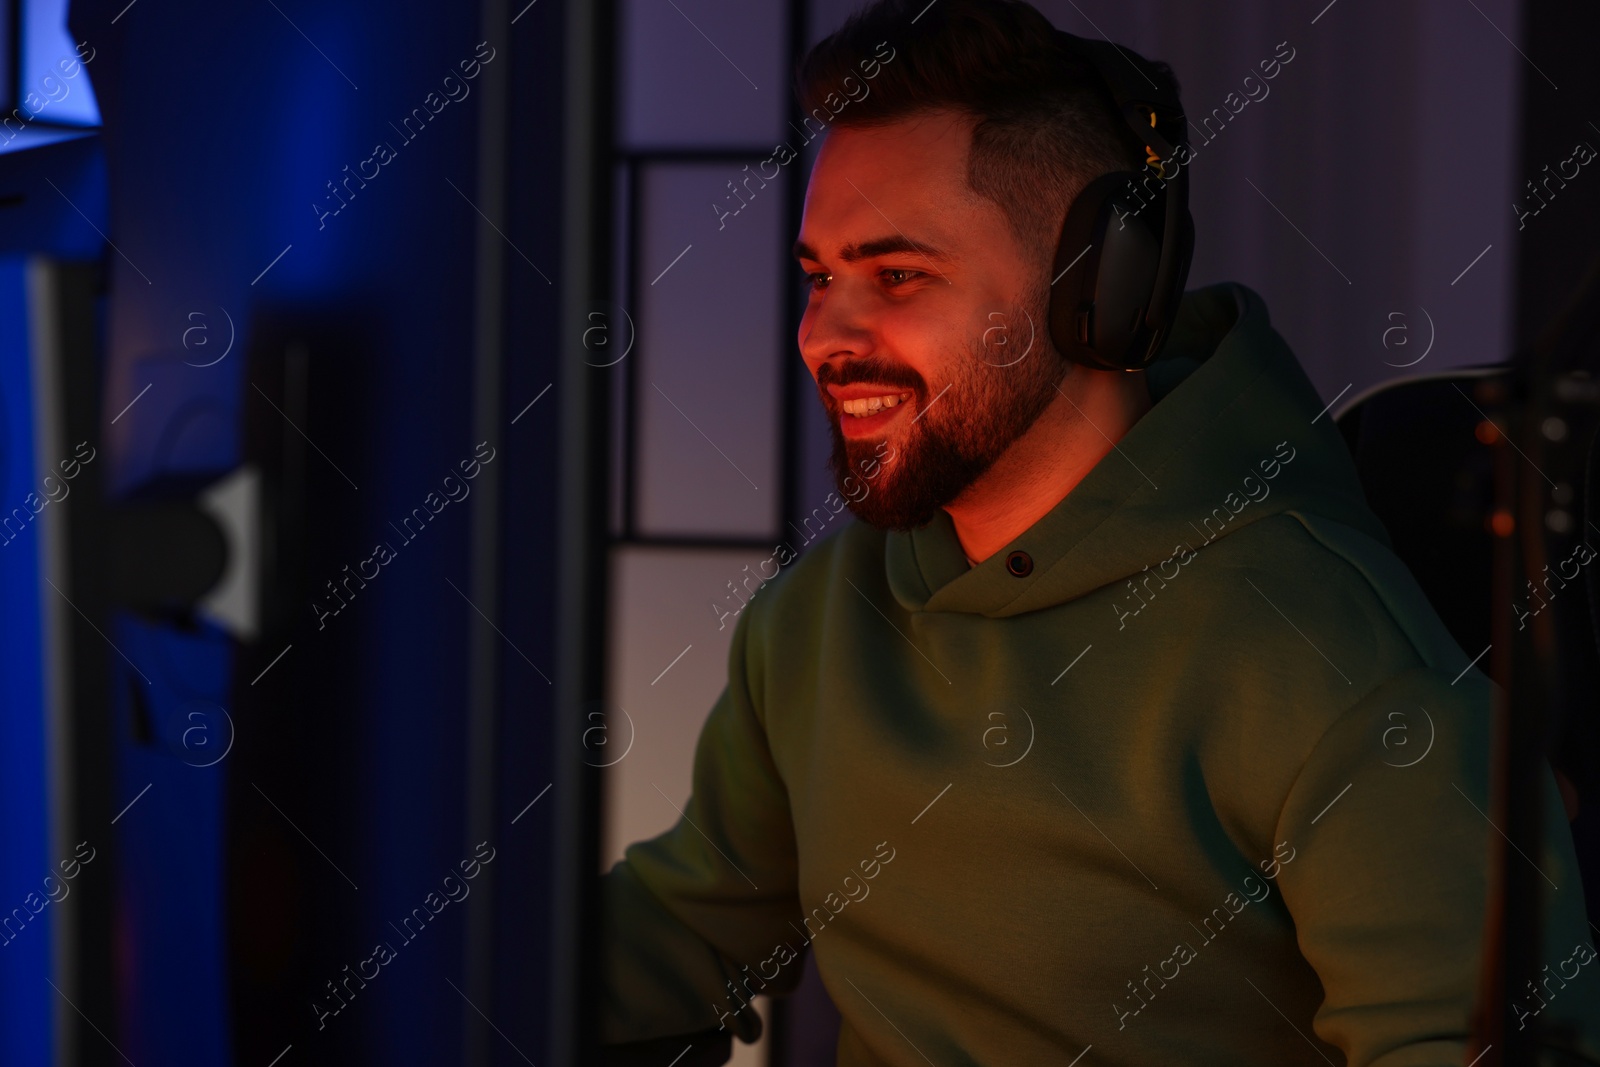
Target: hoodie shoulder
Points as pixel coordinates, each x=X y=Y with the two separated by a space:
x=786 y=619
x=1329 y=597
x=1290 y=627
x=788 y=604
x=813 y=561
x=1393 y=584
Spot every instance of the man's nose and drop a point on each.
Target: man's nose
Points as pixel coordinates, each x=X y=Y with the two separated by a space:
x=836 y=323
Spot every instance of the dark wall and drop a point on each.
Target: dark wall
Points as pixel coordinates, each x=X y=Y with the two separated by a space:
x=1557 y=241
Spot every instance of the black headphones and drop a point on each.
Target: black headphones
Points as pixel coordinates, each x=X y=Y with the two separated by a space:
x=1122 y=259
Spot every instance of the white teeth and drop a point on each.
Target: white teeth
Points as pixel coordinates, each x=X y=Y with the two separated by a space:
x=871 y=405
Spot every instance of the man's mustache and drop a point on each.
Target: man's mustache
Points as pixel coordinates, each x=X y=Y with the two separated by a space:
x=877 y=372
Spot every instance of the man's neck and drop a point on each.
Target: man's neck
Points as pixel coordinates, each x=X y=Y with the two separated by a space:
x=1091 y=412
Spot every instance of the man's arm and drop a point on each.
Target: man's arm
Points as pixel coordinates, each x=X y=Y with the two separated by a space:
x=1389 y=883
x=704 y=904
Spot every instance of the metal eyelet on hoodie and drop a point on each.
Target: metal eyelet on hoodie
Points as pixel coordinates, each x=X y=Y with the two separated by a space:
x=1019 y=564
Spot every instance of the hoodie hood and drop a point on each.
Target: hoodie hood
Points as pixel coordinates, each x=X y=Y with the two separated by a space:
x=1230 y=404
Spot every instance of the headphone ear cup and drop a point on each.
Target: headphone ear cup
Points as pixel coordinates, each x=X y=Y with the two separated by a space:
x=1104 y=274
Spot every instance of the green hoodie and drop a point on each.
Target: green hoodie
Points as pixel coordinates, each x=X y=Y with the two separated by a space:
x=1206 y=784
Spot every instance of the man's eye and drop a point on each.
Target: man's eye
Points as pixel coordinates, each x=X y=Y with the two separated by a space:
x=896 y=276
x=817 y=280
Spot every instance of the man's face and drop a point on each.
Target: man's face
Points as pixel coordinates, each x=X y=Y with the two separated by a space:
x=921 y=301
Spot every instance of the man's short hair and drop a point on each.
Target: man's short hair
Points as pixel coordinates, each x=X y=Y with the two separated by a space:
x=1046 y=125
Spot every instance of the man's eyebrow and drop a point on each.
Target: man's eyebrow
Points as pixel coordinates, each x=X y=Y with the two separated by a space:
x=878 y=246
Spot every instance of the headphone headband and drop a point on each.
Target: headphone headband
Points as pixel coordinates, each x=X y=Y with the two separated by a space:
x=1135 y=89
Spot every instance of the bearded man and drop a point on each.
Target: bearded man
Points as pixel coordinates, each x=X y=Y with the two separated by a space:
x=1083 y=735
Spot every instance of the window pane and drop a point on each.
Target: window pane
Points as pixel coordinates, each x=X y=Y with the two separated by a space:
x=709 y=354
x=701 y=73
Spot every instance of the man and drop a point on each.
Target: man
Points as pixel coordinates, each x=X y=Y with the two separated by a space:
x=1114 y=723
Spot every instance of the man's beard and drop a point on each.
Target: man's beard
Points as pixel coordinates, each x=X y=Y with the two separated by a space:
x=992 y=400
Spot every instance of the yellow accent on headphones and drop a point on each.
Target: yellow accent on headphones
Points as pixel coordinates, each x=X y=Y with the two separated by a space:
x=1151 y=157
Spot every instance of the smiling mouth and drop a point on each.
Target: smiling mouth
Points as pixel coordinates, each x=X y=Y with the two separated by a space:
x=867 y=406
